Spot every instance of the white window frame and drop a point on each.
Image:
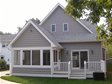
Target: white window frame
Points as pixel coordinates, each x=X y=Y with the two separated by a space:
x=67 y=27
x=51 y=27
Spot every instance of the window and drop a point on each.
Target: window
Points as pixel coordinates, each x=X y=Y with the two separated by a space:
x=35 y=57
x=26 y=57
x=65 y=27
x=16 y=57
x=53 y=27
x=46 y=57
x=4 y=44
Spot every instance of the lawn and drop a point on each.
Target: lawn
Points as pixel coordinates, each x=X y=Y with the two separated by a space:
x=38 y=80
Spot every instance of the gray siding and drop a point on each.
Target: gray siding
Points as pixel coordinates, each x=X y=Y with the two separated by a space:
x=32 y=70
x=95 y=46
x=31 y=39
x=58 y=17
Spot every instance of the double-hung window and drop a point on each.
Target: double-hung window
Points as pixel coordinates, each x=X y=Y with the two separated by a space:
x=53 y=27
x=65 y=27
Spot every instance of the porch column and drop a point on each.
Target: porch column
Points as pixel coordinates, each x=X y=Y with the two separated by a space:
x=12 y=61
x=58 y=55
x=52 y=61
x=41 y=57
x=58 y=59
x=21 y=57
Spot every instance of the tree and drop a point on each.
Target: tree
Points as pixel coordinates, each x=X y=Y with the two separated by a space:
x=1 y=33
x=35 y=20
x=93 y=10
x=7 y=33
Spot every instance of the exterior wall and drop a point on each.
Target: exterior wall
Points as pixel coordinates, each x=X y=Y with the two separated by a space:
x=95 y=46
x=31 y=38
x=30 y=70
x=58 y=17
x=5 y=53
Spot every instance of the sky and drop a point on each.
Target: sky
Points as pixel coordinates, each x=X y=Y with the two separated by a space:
x=14 y=13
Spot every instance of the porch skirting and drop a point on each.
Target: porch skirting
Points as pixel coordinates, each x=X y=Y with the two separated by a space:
x=22 y=70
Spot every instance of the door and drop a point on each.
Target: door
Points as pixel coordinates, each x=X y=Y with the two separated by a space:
x=83 y=57
x=75 y=59
x=78 y=58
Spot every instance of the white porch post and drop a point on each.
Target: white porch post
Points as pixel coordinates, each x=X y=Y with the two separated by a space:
x=12 y=61
x=58 y=59
x=41 y=57
x=52 y=61
x=21 y=57
x=31 y=57
x=85 y=69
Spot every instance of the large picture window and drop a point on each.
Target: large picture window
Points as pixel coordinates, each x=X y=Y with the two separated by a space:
x=16 y=57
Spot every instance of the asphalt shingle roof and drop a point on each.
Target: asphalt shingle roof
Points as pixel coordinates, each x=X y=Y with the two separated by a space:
x=7 y=37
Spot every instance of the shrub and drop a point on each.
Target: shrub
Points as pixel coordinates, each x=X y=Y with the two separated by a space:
x=3 y=64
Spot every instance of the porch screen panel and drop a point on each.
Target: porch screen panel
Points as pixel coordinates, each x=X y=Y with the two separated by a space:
x=46 y=57
x=16 y=57
x=35 y=57
x=26 y=57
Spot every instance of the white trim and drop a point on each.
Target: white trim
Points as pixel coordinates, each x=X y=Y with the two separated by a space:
x=31 y=66
x=31 y=48
x=78 y=50
x=31 y=57
x=84 y=26
x=51 y=61
x=67 y=27
x=41 y=57
x=51 y=27
x=21 y=57
x=51 y=13
x=24 y=28
x=80 y=41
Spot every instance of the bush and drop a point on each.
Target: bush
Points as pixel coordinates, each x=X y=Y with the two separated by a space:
x=3 y=64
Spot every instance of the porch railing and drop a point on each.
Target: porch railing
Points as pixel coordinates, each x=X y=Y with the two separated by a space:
x=94 y=66
x=60 y=67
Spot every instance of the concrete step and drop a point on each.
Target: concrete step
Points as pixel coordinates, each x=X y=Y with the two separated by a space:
x=76 y=75
x=77 y=78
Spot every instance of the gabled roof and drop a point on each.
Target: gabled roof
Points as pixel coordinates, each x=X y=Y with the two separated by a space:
x=43 y=32
x=7 y=37
x=59 y=5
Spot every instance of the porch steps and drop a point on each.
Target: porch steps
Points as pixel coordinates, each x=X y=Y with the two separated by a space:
x=61 y=75
x=77 y=75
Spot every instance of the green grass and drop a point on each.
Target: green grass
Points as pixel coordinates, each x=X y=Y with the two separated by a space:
x=109 y=67
x=7 y=74
x=4 y=70
x=37 y=80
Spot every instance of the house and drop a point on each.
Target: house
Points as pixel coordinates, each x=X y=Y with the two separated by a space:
x=57 y=47
x=4 y=52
